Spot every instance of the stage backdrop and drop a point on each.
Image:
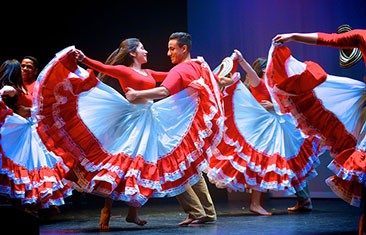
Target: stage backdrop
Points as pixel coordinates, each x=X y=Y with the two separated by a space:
x=218 y=27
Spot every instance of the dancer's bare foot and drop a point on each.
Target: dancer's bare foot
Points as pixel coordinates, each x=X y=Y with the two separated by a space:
x=105 y=215
x=303 y=206
x=186 y=222
x=259 y=210
x=136 y=220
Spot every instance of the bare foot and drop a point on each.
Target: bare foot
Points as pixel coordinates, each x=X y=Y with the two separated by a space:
x=136 y=220
x=105 y=215
x=259 y=210
x=302 y=206
x=186 y=222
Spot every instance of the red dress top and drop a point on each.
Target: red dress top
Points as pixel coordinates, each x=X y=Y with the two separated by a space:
x=260 y=92
x=181 y=75
x=127 y=76
x=25 y=100
x=352 y=39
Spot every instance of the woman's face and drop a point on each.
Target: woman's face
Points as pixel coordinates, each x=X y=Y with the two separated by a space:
x=141 y=54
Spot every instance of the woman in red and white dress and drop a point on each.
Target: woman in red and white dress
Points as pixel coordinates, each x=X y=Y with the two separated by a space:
x=29 y=173
x=262 y=150
x=332 y=107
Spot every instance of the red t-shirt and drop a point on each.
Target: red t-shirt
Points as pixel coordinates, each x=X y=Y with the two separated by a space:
x=181 y=75
x=352 y=39
x=127 y=76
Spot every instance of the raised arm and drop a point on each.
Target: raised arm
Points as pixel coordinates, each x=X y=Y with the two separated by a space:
x=308 y=38
x=116 y=71
x=252 y=75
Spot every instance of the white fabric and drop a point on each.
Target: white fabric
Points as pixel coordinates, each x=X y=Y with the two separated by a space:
x=21 y=144
x=155 y=128
x=267 y=132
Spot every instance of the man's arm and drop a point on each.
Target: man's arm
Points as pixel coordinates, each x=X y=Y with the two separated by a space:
x=151 y=94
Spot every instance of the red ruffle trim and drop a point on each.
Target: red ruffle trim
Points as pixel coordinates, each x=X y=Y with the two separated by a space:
x=349 y=168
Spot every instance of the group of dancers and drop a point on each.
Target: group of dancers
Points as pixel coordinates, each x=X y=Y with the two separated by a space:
x=264 y=131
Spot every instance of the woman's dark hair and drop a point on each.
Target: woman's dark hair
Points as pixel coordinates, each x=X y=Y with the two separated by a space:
x=121 y=56
x=259 y=65
x=11 y=75
x=182 y=38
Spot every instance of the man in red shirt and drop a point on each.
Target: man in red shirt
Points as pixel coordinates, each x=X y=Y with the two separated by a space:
x=196 y=201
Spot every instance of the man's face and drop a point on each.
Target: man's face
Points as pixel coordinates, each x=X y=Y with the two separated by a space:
x=29 y=72
x=176 y=53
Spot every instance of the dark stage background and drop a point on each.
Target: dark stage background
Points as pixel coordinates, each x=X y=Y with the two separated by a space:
x=220 y=26
x=217 y=27
x=41 y=30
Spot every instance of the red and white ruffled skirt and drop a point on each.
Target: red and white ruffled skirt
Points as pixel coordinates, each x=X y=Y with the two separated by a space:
x=328 y=106
x=261 y=150
x=28 y=171
x=125 y=151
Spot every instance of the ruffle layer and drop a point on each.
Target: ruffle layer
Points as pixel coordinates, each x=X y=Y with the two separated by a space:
x=349 y=168
x=261 y=150
x=28 y=172
x=162 y=161
x=301 y=89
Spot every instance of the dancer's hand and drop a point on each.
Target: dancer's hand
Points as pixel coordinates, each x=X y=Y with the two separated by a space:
x=282 y=38
x=267 y=105
x=8 y=90
x=131 y=94
x=237 y=55
x=79 y=55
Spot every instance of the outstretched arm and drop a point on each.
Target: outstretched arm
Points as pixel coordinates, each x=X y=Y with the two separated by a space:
x=308 y=38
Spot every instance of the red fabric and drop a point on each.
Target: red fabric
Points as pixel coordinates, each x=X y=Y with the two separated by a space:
x=127 y=76
x=42 y=186
x=260 y=92
x=181 y=75
x=229 y=157
x=352 y=39
x=65 y=133
x=25 y=100
x=313 y=118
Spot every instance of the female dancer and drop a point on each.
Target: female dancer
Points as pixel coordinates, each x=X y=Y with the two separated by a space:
x=320 y=102
x=263 y=150
x=29 y=173
x=132 y=54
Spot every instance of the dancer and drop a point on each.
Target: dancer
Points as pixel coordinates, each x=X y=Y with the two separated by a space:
x=319 y=103
x=132 y=54
x=196 y=201
x=154 y=149
x=263 y=149
x=29 y=173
